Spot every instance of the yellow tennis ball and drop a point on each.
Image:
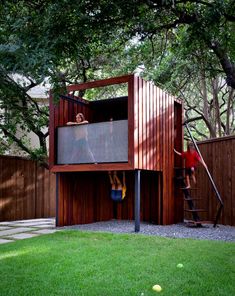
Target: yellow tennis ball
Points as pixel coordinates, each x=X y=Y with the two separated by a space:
x=180 y=265
x=157 y=288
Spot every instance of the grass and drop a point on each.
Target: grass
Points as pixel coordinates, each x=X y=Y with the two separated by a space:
x=101 y=264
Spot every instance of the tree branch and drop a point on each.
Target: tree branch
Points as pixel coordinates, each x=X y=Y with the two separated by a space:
x=226 y=64
x=193 y=119
x=39 y=158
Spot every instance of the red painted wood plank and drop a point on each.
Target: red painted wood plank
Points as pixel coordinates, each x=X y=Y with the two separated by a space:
x=161 y=139
x=136 y=122
x=147 y=126
x=158 y=130
x=60 y=201
x=100 y=83
x=131 y=123
x=91 y=167
x=140 y=123
x=153 y=127
x=171 y=155
x=144 y=125
x=51 y=131
x=164 y=160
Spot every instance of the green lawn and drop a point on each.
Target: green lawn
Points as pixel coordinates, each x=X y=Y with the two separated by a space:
x=86 y=263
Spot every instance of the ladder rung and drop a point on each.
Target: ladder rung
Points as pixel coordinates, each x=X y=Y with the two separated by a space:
x=179 y=168
x=196 y=198
x=198 y=222
x=183 y=188
x=180 y=178
x=196 y=210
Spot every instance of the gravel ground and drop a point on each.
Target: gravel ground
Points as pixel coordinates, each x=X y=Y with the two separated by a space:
x=206 y=232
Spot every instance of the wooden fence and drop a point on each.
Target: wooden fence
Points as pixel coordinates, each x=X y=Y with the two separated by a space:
x=219 y=155
x=27 y=191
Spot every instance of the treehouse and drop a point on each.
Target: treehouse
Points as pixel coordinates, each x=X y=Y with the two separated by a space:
x=135 y=133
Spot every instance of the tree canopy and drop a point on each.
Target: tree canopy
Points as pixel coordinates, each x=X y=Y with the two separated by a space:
x=187 y=47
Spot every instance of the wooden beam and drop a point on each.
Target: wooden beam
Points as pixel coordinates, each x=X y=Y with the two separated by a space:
x=99 y=83
x=91 y=167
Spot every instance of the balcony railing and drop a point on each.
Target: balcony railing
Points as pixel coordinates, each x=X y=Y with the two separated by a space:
x=93 y=143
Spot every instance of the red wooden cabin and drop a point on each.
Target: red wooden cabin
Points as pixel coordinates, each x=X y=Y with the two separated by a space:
x=146 y=126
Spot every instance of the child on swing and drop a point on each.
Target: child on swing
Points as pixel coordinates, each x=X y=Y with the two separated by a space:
x=118 y=190
x=191 y=160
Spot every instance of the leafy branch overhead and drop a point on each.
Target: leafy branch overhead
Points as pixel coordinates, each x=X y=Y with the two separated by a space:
x=208 y=25
x=22 y=115
x=186 y=47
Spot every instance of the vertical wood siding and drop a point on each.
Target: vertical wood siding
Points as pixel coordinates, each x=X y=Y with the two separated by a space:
x=154 y=137
x=60 y=114
x=27 y=191
x=81 y=203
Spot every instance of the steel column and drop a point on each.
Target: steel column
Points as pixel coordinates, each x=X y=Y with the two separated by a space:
x=57 y=199
x=137 y=200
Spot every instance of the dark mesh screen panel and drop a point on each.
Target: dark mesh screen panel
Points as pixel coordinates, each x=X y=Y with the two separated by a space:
x=90 y=143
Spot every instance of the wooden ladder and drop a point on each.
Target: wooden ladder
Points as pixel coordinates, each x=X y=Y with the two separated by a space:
x=191 y=208
x=190 y=202
x=218 y=197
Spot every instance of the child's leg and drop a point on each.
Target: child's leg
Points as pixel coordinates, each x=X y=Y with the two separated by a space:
x=193 y=177
x=187 y=181
x=111 y=180
x=118 y=182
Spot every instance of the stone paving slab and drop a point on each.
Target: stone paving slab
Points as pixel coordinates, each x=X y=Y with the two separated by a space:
x=7 y=223
x=45 y=231
x=4 y=241
x=33 y=224
x=45 y=226
x=15 y=230
x=22 y=235
x=35 y=220
x=4 y=227
x=11 y=231
x=38 y=221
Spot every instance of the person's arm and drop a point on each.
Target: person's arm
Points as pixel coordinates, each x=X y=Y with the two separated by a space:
x=199 y=159
x=110 y=178
x=177 y=152
x=71 y=123
x=77 y=123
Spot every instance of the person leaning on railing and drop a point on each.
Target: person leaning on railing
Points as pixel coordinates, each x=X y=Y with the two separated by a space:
x=80 y=119
x=81 y=150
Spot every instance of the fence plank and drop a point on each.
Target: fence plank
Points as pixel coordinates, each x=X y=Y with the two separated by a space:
x=219 y=155
x=26 y=190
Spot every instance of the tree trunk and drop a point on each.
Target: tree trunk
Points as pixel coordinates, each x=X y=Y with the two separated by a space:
x=216 y=106
x=206 y=116
x=227 y=65
x=229 y=112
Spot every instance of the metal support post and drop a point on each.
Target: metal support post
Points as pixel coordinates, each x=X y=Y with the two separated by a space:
x=137 y=200
x=57 y=199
